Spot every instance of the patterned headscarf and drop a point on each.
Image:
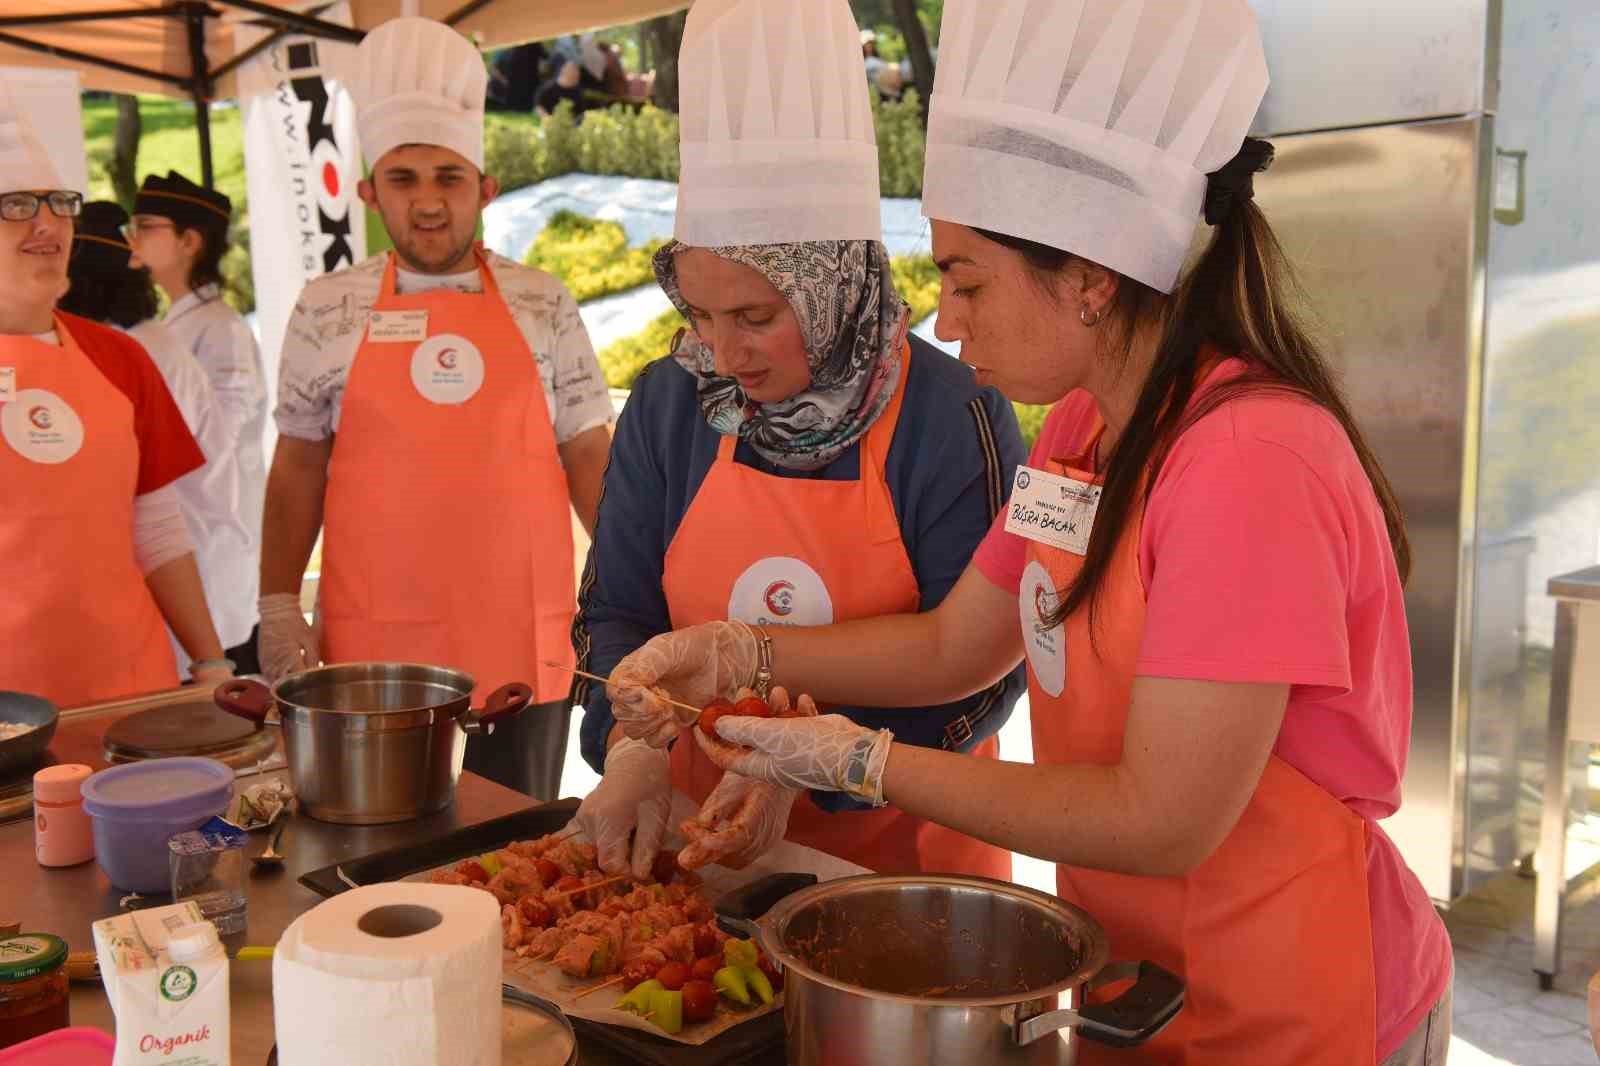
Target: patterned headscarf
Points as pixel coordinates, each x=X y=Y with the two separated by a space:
x=854 y=326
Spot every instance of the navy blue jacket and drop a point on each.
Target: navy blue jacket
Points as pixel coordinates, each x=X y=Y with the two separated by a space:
x=949 y=470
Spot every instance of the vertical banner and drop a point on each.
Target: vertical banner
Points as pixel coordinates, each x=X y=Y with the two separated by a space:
x=50 y=99
x=302 y=164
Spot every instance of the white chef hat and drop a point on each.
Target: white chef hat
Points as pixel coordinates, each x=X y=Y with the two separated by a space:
x=1090 y=125
x=776 y=131
x=417 y=81
x=24 y=163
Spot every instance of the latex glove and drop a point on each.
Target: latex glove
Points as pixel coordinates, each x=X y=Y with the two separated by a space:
x=694 y=665
x=829 y=753
x=743 y=818
x=634 y=796
x=202 y=674
x=739 y=822
x=287 y=644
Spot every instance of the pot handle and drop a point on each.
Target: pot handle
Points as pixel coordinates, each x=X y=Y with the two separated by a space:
x=503 y=702
x=1127 y=1021
x=738 y=910
x=245 y=698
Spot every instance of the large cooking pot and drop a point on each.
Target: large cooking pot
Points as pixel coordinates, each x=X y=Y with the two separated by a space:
x=934 y=969
x=369 y=743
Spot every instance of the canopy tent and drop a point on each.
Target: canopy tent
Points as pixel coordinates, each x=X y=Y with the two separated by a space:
x=186 y=48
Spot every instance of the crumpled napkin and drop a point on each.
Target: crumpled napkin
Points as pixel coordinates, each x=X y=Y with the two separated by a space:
x=259 y=805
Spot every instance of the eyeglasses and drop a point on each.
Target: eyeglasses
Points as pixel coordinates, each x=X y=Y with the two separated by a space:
x=132 y=229
x=22 y=206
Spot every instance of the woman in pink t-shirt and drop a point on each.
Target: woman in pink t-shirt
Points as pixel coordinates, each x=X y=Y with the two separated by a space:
x=1202 y=564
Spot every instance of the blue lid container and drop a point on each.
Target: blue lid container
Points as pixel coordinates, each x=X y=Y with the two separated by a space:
x=135 y=808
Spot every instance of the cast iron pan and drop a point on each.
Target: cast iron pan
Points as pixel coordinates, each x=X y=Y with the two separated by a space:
x=18 y=755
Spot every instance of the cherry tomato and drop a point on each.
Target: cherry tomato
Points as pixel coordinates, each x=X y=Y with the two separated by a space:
x=705 y=969
x=580 y=900
x=534 y=912
x=665 y=868
x=706 y=941
x=752 y=707
x=637 y=972
x=549 y=872
x=673 y=976
x=708 y=719
x=699 y=1001
x=473 y=870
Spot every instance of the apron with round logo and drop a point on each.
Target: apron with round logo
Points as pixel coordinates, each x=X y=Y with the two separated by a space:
x=77 y=623
x=1271 y=933
x=795 y=551
x=448 y=532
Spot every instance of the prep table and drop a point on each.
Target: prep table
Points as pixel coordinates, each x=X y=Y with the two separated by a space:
x=66 y=902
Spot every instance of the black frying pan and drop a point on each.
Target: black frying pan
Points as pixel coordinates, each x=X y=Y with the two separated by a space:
x=18 y=754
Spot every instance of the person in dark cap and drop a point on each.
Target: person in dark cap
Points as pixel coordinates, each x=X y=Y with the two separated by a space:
x=179 y=231
x=105 y=287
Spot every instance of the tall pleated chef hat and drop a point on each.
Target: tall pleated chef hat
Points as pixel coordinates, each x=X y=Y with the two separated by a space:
x=417 y=81
x=777 y=143
x=25 y=166
x=1090 y=125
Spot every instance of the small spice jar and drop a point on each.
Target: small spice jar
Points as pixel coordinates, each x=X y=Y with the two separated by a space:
x=63 y=834
x=33 y=987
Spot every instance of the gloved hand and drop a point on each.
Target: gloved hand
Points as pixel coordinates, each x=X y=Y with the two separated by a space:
x=287 y=644
x=213 y=672
x=694 y=665
x=742 y=818
x=738 y=823
x=829 y=753
x=634 y=796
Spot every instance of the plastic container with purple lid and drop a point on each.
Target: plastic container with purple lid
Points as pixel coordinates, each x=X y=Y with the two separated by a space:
x=80 y=1047
x=137 y=806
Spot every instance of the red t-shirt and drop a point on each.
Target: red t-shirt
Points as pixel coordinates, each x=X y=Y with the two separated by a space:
x=167 y=450
x=1265 y=559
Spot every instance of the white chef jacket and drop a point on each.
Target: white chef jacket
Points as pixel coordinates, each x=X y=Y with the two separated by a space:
x=228 y=354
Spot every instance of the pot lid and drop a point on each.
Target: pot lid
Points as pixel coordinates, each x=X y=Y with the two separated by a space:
x=198 y=728
x=155 y=788
x=29 y=955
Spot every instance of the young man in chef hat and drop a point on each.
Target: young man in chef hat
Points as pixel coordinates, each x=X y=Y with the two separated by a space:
x=441 y=413
x=97 y=553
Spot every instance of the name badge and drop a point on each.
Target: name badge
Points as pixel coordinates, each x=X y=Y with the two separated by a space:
x=397 y=326
x=1053 y=510
x=8 y=384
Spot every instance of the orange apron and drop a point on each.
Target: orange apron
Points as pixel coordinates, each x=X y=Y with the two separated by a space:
x=77 y=621
x=1271 y=933
x=448 y=535
x=762 y=548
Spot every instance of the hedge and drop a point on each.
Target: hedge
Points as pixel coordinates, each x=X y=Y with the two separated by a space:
x=591 y=256
x=643 y=143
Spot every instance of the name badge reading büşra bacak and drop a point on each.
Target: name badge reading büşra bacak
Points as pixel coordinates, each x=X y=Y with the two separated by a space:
x=1053 y=510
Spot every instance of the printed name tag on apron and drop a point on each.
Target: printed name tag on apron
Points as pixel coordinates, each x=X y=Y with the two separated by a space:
x=447 y=369
x=8 y=384
x=396 y=326
x=1053 y=510
x=41 y=427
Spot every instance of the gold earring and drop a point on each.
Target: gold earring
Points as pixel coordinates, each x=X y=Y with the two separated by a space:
x=1090 y=318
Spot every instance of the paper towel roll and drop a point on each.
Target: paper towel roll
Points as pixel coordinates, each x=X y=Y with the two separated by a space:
x=399 y=974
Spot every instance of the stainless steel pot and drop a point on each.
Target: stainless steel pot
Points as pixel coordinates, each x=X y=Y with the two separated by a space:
x=934 y=969
x=374 y=742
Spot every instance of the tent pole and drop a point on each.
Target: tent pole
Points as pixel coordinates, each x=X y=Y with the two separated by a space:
x=200 y=87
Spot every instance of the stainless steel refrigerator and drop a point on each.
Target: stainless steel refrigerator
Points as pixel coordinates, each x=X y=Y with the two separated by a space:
x=1437 y=185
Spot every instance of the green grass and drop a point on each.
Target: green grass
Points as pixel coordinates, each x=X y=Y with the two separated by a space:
x=591 y=257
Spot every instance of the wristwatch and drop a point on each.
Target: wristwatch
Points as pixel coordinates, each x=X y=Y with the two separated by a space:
x=762 y=682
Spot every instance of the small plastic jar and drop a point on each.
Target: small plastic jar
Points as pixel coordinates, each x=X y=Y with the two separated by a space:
x=63 y=834
x=33 y=987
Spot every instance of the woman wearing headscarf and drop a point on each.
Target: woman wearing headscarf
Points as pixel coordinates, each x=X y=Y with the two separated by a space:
x=1205 y=555
x=797 y=460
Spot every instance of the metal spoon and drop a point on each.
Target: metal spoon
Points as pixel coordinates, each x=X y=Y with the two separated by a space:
x=271 y=857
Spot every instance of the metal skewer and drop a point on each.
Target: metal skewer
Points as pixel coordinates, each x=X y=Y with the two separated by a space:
x=606 y=681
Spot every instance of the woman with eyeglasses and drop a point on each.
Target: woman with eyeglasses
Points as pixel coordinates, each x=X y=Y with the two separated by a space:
x=90 y=443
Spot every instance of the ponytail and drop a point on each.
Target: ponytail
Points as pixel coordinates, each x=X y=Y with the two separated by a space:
x=1236 y=299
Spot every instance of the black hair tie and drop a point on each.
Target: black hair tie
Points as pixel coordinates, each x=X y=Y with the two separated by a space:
x=1235 y=183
